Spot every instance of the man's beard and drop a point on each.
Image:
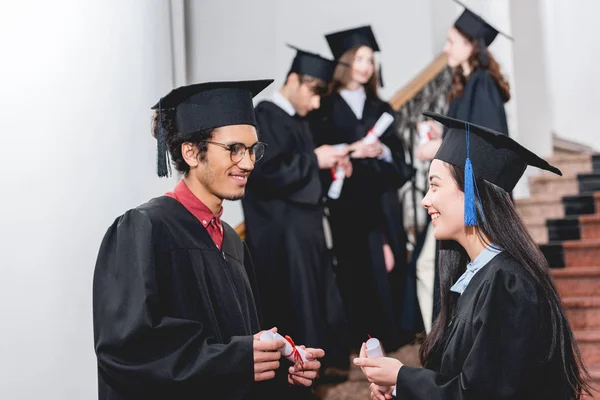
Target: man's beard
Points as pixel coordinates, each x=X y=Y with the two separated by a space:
x=207 y=179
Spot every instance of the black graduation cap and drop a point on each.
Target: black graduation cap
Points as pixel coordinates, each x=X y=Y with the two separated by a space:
x=312 y=64
x=205 y=106
x=476 y=27
x=341 y=42
x=483 y=152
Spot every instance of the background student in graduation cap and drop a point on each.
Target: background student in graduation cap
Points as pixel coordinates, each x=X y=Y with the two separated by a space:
x=284 y=214
x=477 y=95
x=479 y=90
x=174 y=292
x=366 y=221
x=502 y=332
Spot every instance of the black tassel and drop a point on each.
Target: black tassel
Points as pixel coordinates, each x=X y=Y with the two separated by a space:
x=380 y=77
x=163 y=168
x=483 y=58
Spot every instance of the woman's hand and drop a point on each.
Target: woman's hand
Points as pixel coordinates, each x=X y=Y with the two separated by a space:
x=382 y=371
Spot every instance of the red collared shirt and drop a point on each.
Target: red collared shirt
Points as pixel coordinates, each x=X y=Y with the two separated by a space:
x=211 y=222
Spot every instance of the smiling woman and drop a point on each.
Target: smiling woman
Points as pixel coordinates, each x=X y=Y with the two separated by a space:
x=502 y=331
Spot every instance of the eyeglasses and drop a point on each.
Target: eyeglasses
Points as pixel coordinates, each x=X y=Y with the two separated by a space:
x=237 y=151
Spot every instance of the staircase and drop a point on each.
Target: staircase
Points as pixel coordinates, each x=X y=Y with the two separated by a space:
x=563 y=216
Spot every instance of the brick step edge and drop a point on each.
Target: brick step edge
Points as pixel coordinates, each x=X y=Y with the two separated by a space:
x=581 y=302
x=576 y=272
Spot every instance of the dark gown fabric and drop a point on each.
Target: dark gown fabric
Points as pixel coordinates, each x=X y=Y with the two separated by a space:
x=367 y=213
x=173 y=315
x=283 y=209
x=496 y=344
x=481 y=103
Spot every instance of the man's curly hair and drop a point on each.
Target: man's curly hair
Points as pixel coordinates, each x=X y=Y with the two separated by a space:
x=166 y=118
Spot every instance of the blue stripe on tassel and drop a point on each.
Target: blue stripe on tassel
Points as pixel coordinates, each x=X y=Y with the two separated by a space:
x=470 y=206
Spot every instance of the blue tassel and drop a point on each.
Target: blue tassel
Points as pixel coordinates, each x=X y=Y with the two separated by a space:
x=470 y=206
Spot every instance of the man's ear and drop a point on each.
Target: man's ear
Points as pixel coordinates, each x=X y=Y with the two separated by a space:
x=189 y=152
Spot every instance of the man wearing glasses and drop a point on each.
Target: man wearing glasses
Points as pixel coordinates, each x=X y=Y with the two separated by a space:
x=283 y=210
x=174 y=291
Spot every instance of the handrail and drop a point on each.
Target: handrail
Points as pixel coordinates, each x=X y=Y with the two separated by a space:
x=398 y=100
x=241 y=230
x=417 y=84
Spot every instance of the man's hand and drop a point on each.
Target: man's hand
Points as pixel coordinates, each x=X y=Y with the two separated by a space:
x=266 y=356
x=305 y=375
x=328 y=156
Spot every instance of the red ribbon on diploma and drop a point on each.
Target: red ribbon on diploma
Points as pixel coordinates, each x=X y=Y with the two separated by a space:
x=295 y=352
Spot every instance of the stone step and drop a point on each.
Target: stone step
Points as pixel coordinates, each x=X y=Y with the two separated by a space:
x=583 y=203
x=596 y=163
x=563 y=229
x=583 y=312
x=536 y=209
x=571 y=164
x=589 y=182
x=588 y=342
x=581 y=253
x=538 y=231
x=577 y=282
x=589 y=226
x=557 y=186
x=554 y=254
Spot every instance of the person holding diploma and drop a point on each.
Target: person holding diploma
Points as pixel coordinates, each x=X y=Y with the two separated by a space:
x=283 y=210
x=174 y=290
x=369 y=241
x=502 y=332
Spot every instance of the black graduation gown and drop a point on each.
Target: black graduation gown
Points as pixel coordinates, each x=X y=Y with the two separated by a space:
x=495 y=346
x=367 y=211
x=283 y=211
x=173 y=315
x=481 y=103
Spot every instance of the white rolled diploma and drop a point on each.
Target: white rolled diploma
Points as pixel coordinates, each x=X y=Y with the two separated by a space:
x=380 y=126
x=335 y=189
x=374 y=351
x=288 y=350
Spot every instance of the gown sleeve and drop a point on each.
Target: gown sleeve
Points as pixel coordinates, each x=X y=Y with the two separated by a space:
x=285 y=171
x=136 y=345
x=504 y=331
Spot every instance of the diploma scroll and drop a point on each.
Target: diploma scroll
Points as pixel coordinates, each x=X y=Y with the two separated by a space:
x=374 y=351
x=380 y=126
x=290 y=351
x=373 y=135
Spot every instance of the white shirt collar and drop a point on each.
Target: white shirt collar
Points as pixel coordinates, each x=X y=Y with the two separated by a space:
x=283 y=103
x=355 y=99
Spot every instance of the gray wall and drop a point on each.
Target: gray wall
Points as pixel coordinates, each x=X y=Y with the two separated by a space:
x=76 y=152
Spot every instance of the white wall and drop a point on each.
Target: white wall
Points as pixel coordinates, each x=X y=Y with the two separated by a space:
x=77 y=78
x=572 y=51
x=250 y=42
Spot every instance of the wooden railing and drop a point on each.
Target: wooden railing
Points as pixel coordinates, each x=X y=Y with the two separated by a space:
x=412 y=88
x=426 y=91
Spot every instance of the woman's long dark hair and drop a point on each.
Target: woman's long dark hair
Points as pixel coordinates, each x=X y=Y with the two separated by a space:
x=503 y=227
x=493 y=68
